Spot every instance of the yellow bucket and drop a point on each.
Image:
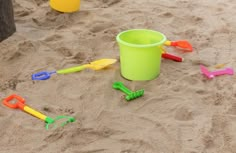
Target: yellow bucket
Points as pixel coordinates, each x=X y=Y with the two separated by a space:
x=65 y=5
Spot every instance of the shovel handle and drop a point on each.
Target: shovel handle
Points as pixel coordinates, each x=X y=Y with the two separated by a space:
x=35 y=113
x=19 y=103
x=44 y=75
x=121 y=86
x=72 y=69
x=172 y=57
x=229 y=71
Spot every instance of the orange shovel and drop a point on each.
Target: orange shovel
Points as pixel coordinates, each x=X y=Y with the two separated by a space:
x=181 y=44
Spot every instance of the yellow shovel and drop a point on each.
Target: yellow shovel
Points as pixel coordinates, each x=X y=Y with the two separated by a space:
x=95 y=65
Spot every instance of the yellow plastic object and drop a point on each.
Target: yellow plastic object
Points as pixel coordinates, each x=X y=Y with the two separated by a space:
x=219 y=66
x=102 y=63
x=16 y=102
x=67 y=6
x=96 y=65
x=35 y=113
x=168 y=43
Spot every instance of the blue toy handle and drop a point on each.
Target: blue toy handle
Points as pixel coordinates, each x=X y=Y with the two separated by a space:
x=44 y=75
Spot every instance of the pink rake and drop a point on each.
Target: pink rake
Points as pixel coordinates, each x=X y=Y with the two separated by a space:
x=212 y=74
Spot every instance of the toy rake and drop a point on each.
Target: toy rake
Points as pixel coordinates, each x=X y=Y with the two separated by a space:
x=130 y=95
x=19 y=103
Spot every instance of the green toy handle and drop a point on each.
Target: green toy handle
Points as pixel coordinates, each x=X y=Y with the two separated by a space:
x=72 y=69
x=51 y=121
x=121 y=86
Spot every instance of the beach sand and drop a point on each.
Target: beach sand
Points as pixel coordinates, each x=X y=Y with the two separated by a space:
x=181 y=111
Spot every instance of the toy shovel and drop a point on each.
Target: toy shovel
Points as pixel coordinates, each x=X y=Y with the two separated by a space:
x=96 y=65
x=212 y=74
x=181 y=44
x=20 y=104
x=171 y=56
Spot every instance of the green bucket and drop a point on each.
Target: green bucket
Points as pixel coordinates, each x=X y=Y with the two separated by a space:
x=140 y=53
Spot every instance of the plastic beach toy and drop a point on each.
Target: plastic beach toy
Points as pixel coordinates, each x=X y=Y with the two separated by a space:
x=129 y=94
x=20 y=104
x=96 y=65
x=181 y=44
x=212 y=74
x=140 y=53
x=171 y=56
x=219 y=66
x=65 y=5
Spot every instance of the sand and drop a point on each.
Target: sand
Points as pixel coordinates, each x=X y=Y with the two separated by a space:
x=181 y=112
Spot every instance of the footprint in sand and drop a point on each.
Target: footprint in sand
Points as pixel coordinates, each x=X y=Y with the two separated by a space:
x=100 y=26
x=223 y=4
x=66 y=111
x=183 y=114
x=21 y=10
x=218 y=133
x=22 y=13
x=190 y=33
x=64 y=51
x=167 y=15
x=195 y=20
x=208 y=141
x=40 y=2
x=53 y=38
x=48 y=109
x=81 y=57
x=71 y=90
x=10 y=84
x=224 y=35
x=109 y=2
x=2 y=114
x=24 y=48
x=232 y=109
x=10 y=56
x=51 y=19
x=192 y=79
x=128 y=151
